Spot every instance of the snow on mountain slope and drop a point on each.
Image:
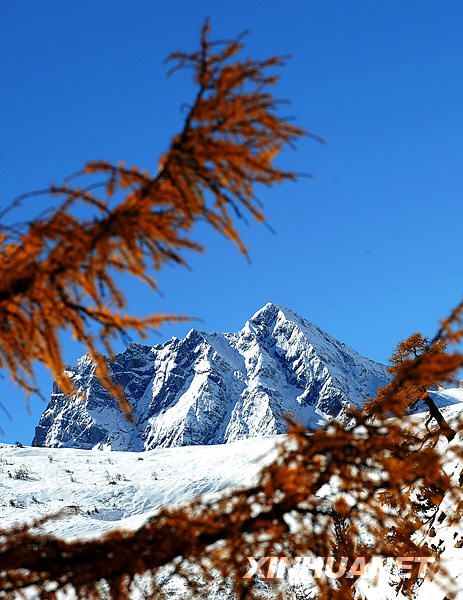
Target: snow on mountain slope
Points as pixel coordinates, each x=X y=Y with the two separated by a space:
x=447 y=396
x=102 y=490
x=211 y=388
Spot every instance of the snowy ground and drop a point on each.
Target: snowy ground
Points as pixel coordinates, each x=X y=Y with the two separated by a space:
x=102 y=490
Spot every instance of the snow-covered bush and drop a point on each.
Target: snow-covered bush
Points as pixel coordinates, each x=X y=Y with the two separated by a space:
x=21 y=472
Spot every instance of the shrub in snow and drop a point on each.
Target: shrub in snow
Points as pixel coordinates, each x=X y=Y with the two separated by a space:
x=21 y=472
x=113 y=478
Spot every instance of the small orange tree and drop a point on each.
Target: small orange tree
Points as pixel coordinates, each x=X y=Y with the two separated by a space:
x=408 y=351
x=340 y=492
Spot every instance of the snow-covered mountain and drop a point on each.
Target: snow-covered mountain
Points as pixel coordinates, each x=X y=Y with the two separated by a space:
x=212 y=388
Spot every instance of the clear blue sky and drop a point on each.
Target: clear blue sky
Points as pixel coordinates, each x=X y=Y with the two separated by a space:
x=370 y=249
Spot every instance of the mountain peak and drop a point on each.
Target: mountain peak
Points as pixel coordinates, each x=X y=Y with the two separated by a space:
x=270 y=309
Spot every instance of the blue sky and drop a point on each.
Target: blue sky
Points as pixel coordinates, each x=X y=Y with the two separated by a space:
x=369 y=249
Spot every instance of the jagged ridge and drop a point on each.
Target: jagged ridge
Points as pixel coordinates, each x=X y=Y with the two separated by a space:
x=211 y=388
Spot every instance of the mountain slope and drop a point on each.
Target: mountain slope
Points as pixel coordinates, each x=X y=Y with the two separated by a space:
x=101 y=490
x=212 y=388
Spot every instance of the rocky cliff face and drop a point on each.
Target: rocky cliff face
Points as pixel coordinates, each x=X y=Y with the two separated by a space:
x=211 y=388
